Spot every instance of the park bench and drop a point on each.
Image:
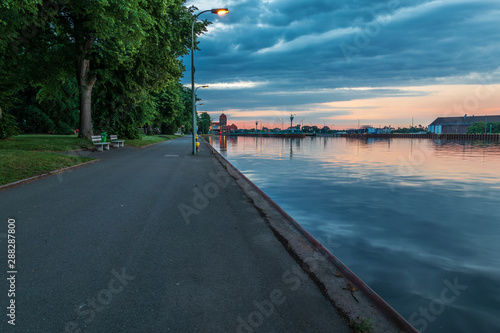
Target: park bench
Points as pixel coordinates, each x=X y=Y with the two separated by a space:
x=116 y=142
x=96 y=140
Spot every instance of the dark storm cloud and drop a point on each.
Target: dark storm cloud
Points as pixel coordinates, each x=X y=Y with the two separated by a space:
x=297 y=49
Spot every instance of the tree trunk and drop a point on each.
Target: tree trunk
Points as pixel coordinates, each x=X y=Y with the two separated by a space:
x=86 y=83
x=85 y=79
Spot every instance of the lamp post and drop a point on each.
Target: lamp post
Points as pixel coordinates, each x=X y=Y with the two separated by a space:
x=196 y=113
x=218 y=11
x=201 y=104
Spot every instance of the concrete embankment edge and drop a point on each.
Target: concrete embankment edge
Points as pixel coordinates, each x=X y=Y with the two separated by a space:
x=352 y=298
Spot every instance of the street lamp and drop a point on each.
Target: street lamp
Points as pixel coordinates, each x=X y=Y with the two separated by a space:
x=218 y=11
x=200 y=87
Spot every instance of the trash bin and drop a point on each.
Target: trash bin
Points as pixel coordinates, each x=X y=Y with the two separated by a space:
x=104 y=136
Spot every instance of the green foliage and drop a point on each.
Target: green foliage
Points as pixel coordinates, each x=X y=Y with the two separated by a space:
x=41 y=111
x=408 y=130
x=171 y=108
x=127 y=54
x=186 y=117
x=204 y=123
x=33 y=120
x=116 y=117
x=63 y=128
x=8 y=126
x=479 y=128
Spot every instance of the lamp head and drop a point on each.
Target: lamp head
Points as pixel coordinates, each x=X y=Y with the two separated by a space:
x=220 y=11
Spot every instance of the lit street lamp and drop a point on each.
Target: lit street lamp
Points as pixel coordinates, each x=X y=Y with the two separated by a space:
x=218 y=11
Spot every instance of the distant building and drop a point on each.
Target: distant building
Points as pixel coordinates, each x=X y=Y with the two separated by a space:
x=366 y=129
x=232 y=128
x=382 y=131
x=215 y=127
x=458 y=125
x=223 y=123
x=221 y=127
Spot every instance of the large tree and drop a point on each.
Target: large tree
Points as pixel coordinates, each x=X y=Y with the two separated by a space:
x=204 y=123
x=131 y=47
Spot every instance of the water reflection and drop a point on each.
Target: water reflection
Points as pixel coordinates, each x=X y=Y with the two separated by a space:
x=223 y=145
x=406 y=215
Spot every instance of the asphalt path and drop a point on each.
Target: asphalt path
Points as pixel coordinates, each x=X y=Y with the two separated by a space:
x=151 y=240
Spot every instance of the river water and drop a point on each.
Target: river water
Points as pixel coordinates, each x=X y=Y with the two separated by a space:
x=417 y=220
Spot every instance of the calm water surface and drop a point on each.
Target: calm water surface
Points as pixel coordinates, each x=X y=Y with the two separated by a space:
x=417 y=220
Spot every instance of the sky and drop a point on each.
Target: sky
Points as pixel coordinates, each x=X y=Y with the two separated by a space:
x=344 y=63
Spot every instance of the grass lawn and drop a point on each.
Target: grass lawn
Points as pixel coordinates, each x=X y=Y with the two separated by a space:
x=45 y=143
x=18 y=164
x=149 y=139
x=25 y=156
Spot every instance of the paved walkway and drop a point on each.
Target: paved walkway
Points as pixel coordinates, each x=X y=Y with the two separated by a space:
x=152 y=240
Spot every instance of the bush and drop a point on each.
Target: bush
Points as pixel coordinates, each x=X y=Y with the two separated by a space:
x=8 y=126
x=34 y=120
x=63 y=128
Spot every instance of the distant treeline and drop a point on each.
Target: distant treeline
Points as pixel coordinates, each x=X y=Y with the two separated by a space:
x=482 y=128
